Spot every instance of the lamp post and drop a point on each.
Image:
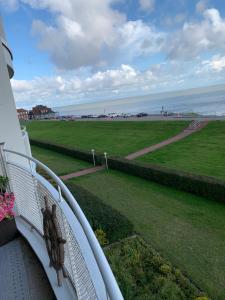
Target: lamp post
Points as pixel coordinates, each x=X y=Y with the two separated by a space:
x=106 y=160
x=93 y=154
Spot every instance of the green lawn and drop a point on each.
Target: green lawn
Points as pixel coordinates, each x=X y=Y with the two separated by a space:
x=186 y=229
x=202 y=152
x=116 y=138
x=59 y=163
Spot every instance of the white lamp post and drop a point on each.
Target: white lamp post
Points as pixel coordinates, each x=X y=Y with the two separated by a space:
x=106 y=160
x=93 y=154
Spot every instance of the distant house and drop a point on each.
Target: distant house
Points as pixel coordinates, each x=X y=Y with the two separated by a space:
x=23 y=114
x=41 y=112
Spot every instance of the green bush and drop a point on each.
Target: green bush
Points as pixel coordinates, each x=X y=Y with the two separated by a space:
x=101 y=216
x=73 y=152
x=143 y=274
x=101 y=236
x=204 y=186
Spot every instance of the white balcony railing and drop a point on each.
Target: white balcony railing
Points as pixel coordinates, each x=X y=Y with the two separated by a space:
x=90 y=276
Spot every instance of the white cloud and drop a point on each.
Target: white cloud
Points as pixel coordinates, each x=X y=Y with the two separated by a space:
x=138 y=39
x=9 y=4
x=92 y=33
x=147 y=5
x=196 y=38
x=215 y=64
x=201 y=6
x=102 y=85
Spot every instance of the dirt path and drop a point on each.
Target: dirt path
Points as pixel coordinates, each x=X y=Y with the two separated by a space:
x=193 y=127
x=82 y=173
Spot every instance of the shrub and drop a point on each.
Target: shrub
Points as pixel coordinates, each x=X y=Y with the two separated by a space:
x=143 y=274
x=204 y=186
x=100 y=215
x=101 y=236
x=165 y=269
x=73 y=152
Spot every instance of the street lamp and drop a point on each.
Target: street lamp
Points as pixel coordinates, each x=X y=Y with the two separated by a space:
x=93 y=154
x=106 y=160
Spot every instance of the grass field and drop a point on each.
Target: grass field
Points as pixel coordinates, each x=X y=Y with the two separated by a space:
x=116 y=138
x=186 y=229
x=59 y=163
x=202 y=152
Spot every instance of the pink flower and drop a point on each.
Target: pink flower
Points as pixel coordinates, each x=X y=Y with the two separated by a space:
x=6 y=205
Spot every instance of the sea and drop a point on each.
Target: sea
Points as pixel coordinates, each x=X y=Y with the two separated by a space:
x=203 y=101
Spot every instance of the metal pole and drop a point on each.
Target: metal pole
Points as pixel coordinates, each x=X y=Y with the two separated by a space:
x=4 y=165
x=93 y=154
x=106 y=160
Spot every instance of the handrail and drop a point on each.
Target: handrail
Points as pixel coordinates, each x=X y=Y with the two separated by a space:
x=106 y=272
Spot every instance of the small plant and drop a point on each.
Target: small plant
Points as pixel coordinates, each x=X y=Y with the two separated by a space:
x=101 y=236
x=3 y=184
x=165 y=269
x=6 y=206
x=6 y=200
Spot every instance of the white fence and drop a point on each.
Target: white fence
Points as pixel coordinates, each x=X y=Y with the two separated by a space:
x=85 y=262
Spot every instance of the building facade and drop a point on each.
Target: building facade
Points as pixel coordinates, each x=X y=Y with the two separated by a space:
x=23 y=114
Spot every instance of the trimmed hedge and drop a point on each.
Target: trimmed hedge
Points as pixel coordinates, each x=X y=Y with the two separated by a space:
x=73 y=152
x=100 y=215
x=205 y=186
x=143 y=274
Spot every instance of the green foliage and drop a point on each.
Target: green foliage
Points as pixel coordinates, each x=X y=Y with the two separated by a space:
x=59 y=163
x=116 y=138
x=200 y=153
x=187 y=229
x=3 y=183
x=143 y=274
x=101 y=215
x=70 y=151
x=205 y=186
x=101 y=236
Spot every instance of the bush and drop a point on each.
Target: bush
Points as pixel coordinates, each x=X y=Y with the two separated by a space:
x=101 y=236
x=101 y=216
x=73 y=152
x=143 y=274
x=204 y=186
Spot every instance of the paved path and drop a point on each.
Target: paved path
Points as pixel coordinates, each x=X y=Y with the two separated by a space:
x=82 y=173
x=193 y=127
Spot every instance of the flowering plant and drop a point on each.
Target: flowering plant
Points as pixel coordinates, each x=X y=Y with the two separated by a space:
x=6 y=206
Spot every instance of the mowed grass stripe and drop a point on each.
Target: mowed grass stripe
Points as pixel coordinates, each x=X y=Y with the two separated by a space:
x=202 y=152
x=114 y=137
x=186 y=229
x=59 y=163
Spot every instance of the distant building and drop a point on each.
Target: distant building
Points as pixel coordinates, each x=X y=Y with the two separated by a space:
x=41 y=112
x=23 y=114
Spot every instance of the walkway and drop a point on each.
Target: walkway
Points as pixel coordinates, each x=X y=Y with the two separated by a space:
x=193 y=127
x=82 y=173
x=21 y=274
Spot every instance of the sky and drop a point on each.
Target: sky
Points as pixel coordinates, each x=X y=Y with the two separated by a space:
x=78 y=51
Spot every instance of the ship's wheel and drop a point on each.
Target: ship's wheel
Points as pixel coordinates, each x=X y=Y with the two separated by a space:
x=53 y=240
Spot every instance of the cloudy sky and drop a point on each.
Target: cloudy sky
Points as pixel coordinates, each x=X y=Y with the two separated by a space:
x=77 y=51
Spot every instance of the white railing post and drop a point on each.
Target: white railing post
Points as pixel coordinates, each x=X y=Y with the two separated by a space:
x=4 y=168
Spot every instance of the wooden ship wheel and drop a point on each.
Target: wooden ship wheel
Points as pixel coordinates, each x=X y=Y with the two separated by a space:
x=53 y=240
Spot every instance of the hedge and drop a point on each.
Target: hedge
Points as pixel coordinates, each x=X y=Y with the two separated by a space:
x=142 y=273
x=74 y=152
x=205 y=186
x=100 y=215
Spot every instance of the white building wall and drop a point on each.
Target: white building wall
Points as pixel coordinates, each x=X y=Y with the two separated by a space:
x=10 y=132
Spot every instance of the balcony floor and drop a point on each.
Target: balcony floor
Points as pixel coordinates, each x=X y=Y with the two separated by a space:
x=21 y=274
